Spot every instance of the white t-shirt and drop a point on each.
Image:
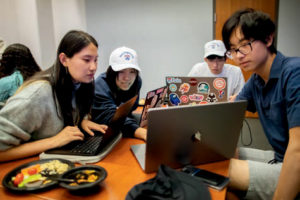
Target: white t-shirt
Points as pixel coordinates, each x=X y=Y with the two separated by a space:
x=235 y=78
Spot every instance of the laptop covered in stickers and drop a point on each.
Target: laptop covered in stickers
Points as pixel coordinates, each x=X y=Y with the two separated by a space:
x=183 y=90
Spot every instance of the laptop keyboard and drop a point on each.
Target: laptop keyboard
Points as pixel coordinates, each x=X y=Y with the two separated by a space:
x=89 y=146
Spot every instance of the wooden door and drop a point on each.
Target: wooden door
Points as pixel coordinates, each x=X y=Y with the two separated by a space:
x=223 y=9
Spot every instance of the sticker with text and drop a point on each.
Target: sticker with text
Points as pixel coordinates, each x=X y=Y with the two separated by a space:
x=219 y=83
x=196 y=97
x=173 y=80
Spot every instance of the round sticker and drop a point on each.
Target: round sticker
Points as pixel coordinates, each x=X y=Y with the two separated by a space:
x=184 y=99
x=173 y=87
x=203 y=88
x=219 y=83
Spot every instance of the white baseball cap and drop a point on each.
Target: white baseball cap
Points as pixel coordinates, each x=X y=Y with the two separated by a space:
x=123 y=58
x=215 y=47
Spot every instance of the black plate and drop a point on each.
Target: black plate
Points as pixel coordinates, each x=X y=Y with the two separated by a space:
x=100 y=171
x=7 y=183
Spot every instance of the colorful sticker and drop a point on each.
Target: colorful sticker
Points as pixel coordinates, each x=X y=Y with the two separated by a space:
x=184 y=88
x=211 y=98
x=221 y=94
x=203 y=102
x=150 y=95
x=184 y=99
x=193 y=104
x=173 y=80
x=174 y=99
x=219 y=83
x=160 y=90
x=196 y=97
x=193 y=81
x=203 y=87
x=172 y=87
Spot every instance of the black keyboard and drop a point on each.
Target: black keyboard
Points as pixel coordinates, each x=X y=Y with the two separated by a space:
x=89 y=146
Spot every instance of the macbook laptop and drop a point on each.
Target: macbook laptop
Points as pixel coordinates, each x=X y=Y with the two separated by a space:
x=190 y=135
x=154 y=99
x=196 y=90
x=99 y=143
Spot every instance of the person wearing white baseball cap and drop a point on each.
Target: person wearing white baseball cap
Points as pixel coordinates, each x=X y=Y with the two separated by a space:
x=214 y=66
x=117 y=85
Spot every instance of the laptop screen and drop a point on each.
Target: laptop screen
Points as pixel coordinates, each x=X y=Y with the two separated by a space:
x=154 y=99
x=196 y=90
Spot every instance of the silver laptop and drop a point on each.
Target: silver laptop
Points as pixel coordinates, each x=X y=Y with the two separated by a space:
x=184 y=135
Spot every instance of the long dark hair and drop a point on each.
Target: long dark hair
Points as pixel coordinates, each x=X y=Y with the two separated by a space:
x=61 y=81
x=111 y=76
x=253 y=24
x=18 y=57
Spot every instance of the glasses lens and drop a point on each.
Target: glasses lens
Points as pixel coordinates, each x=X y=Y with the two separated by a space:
x=245 y=49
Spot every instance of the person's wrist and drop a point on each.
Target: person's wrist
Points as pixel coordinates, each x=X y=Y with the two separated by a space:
x=51 y=142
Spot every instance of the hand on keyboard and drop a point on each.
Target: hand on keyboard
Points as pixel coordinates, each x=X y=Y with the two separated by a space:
x=89 y=126
x=67 y=135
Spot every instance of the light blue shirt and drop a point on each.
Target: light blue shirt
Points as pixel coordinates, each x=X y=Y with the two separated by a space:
x=9 y=85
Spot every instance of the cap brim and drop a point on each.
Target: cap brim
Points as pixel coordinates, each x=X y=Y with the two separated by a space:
x=218 y=53
x=119 y=67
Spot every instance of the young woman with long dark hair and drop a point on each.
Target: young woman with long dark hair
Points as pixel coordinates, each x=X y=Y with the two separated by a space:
x=50 y=108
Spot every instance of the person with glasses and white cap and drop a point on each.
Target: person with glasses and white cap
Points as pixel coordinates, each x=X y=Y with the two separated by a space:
x=214 y=66
x=273 y=91
x=117 y=85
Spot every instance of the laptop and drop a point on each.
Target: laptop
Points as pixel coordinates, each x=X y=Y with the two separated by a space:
x=99 y=143
x=154 y=99
x=184 y=90
x=190 y=135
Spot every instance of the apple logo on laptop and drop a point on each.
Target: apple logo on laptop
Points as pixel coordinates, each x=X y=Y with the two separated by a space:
x=196 y=137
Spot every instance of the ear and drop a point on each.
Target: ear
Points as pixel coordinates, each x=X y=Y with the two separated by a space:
x=269 y=40
x=63 y=59
x=205 y=59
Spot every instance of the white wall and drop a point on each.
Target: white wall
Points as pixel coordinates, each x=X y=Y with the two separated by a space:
x=40 y=24
x=168 y=35
x=18 y=22
x=289 y=27
x=67 y=15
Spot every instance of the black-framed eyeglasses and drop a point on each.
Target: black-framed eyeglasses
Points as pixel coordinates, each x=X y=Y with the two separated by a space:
x=244 y=49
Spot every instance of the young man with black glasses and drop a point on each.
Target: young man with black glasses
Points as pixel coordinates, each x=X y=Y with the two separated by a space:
x=214 y=66
x=274 y=92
